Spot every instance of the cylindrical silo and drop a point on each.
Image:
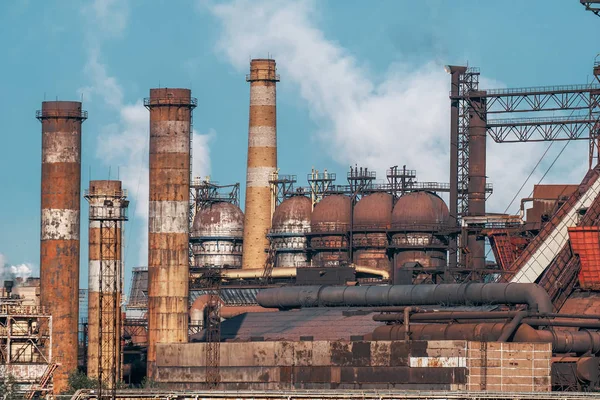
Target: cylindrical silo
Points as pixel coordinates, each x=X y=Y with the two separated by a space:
x=329 y=225
x=291 y=223
x=418 y=223
x=372 y=219
x=168 y=223
x=59 y=252
x=262 y=160
x=107 y=213
x=217 y=236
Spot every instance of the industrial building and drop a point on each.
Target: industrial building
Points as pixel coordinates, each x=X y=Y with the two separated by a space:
x=326 y=286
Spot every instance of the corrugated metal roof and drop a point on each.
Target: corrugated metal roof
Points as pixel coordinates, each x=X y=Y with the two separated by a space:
x=230 y=296
x=320 y=323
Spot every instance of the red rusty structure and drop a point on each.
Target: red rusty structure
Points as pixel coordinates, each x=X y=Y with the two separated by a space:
x=107 y=214
x=60 y=208
x=168 y=224
x=585 y=243
x=262 y=161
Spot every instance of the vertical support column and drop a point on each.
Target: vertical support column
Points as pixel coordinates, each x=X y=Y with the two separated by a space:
x=168 y=224
x=60 y=208
x=262 y=161
x=108 y=211
x=455 y=72
x=477 y=177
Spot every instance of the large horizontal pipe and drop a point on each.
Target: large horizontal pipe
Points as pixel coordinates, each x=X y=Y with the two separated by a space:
x=406 y=295
x=446 y=315
x=563 y=342
x=290 y=272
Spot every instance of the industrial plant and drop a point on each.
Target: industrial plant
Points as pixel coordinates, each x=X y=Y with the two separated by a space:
x=328 y=285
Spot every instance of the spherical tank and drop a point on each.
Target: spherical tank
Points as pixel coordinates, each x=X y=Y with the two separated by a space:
x=421 y=211
x=218 y=231
x=329 y=223
x=291 y=222
x=418 y=220
x=372 y=218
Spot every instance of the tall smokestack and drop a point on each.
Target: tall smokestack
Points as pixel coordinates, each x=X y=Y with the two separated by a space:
x=168 y=230
x=59 y=251
x=477 y=177
x=262 y=160
x=108 y=211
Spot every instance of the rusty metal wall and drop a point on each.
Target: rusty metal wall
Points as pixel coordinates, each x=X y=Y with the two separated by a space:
x=326 y=364
x=60 y=210
x=262 y=160
x=104 y=197
x=372 y=218
x=168 y=224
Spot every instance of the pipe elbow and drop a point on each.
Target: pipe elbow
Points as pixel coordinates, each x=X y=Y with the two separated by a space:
x=537 y=297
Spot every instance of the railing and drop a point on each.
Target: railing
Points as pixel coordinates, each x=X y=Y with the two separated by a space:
x=58 y=113
x=190 y=102
x=541 y=121
x=119 y=194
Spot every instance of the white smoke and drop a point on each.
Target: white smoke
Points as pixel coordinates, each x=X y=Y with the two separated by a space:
x=377 y=120
x=11 y=271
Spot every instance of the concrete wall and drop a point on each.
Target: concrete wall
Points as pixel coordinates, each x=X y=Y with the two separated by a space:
x=433 y=365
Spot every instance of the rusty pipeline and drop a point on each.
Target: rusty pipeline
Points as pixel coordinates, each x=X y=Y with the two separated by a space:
x=563 y=342
x=407 y=295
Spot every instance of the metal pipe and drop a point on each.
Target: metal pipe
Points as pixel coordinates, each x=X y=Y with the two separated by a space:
x=450 y=315
x=407 y=311
x=257 y=273
x=290 y=272
x=553 y=322
x=512 y=326
x=407 y=295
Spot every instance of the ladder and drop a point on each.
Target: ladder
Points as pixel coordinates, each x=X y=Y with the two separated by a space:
x=269 y=264
x=43 y=385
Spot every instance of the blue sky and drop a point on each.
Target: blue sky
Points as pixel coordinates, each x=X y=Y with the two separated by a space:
x=361 y=82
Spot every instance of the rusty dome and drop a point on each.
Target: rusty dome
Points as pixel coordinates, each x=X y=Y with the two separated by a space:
x=421 y=210
x=293 y=214
x=220 y=219
x=373 y=212
x=331 y=214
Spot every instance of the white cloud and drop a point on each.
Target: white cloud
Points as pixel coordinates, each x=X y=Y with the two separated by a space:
x=401 y=117
x=108 y=17
x=124 y=143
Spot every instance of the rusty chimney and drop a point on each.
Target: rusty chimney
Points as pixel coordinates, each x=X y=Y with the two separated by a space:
x=262 y=160
x=168 y=224
x=477 y=177
x=59 y=252
x=107 y=213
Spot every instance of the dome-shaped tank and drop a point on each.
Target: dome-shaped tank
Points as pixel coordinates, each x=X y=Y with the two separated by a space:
x=373 y=211
x=291 y=222
x=292 y=215
x=332 y=214
x=329 y=223
x=423 y=209
x=372 y=218
x=418 y=223
x=217 y=234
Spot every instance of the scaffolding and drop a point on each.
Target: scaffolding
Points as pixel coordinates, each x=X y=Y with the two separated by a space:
x=26 y=347
x=109 y=214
